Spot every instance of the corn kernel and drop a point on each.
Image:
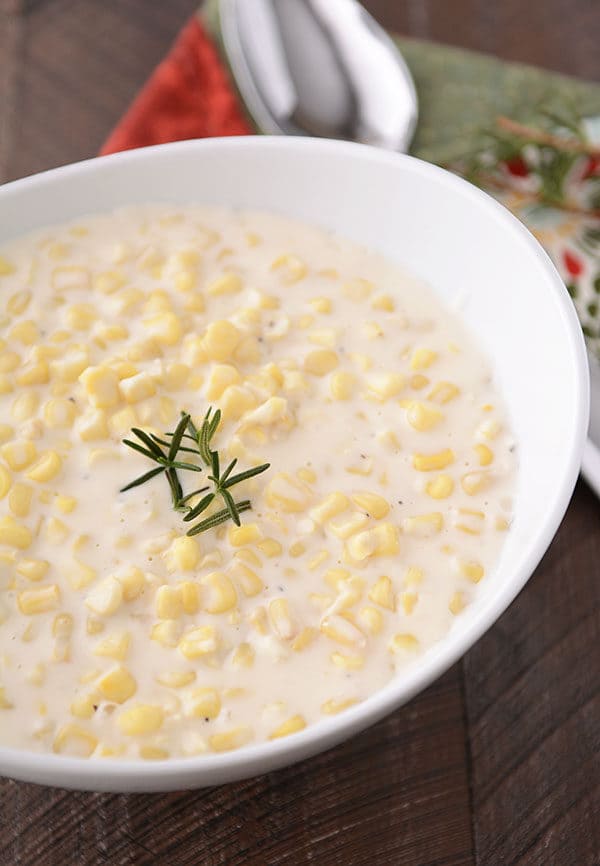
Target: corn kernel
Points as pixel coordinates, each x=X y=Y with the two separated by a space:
x=102 y=386
x=249 y=581
x=220 y=340
x=290 y=726
x=141 y=719
x=247 y=534
x=386 y=385
x=422 y=417
x=440 y=487
x=6 y=267
x=443 y=392
x=321 y=305
x=226 y=741
x=168 y=603
x=469 y=521
x=235 y=401
x=114 y=646
x=198 y=642
x=383 y=302
x=291 y=268
x=117 y=685
x=339 y=628
x=484 y=454
x=185 y=553
x=56 y=531
x=14 y=534
x=424 y=525
x=184 y=281
x=243 y=656
x=341 y=385
x=281 y=619
x=304 y=638
x=413 y=576
x=33 y=569
x=372 y=619
x=176 y=679
x=472 y=570
x=373 y=504
x=82 y=706
x=421 y=359
x=204 y=703
x=357 y=289
x=73 y=740
x=408 y=601
x=46 y=468
x=320 y=362
x=19 y=454
x=19 y=499
x=40 y=600
x=6 y=432
x=24 y=406
x=106 y=597
x=167 y=633
x=220 y=594
x=475 y=482
x=457 y=603
x=347 y=662
x=334 y=706
x=403 y=643
x=35 y=373
x=18 y=303
x=137 y=387
x=332 y=505
x=270 y=547
x=431 y=462
x=288 y=494
x=382 y=593
x=5 y=481
x=227 y=284
x=59 y=413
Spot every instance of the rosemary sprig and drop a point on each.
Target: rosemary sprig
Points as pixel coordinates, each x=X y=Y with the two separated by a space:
x=166 y=452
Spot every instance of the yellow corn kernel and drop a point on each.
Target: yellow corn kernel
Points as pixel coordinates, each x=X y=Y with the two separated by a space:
x=334 y=706
x=403 y=643
x=226 y=741
x=336 y=577
x=304 y=639
x=332 y=505
x=243 y=656
x=111 y=281
x=6 y=385
x=472 y=570
x=141 y=719
x=220 y=378
x=227 y=284
x=421 y=359
x=185 y=281
x=339 y=628
x=33 y=569
x=56 y=531
x=413 y=576
x=46 y=468
x=374 y=505
x=81 y=575
x=102 y=386
x=348 y=526
x=19 y=454
x=320 y=362
x=6 y=267
x=132 y=583
x=81 y=316
x=114 y=646
x=248 y=580
x=288 y=494
x=75 y=741
x=219 y=593
x=484 y=454
x=235 y=401
x=106 y=597
x=92 y=425
x=469 y=521
x=59 y=413
x=357 y=289
x=422 y=417
x=290 y=726
x=408 y=601
x=117 y=685
x=424 y=525
x=341 y=385
x=220 y=340
x=190 y=596
x=34 y=374
x=204 y=703
x=372 y=330
x=24 y=406
x=292 y=268
x=9 y=361
x=6 y=432
x=431 y=462
x=488 y=429
x=198 y=642
x=19 y=499
x=120 y=423
x=40 y=600
x=281 y=619
x=14 y=534
x=386 y=539
x=297 y=549
x=18 y=303
x=321 y=305
x=168 y=603
x=270 y=547
x=83 y=706
x=383 y=302
x=347 y=662
x=184 y=553
x=71 y=365
x=475 y=482
x=137 y=387
x=164 y=327
x=418 y=381
x=457 y=603
x=5 y=481
x=440 y=487
x=362 y=545
x=247 y=534
x=167 y=632
x=443 y=392
x=382 y=593
x=110 y=333
x=176 y=679
x=386 y=385
x=372 y=619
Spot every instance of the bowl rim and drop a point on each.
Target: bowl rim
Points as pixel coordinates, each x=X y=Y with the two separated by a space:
x=109 y=774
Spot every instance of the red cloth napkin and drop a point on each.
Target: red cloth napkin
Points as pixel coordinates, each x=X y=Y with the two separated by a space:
x=189 y=95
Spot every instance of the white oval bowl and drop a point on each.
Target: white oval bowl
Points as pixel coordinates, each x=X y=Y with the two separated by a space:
x=470 y=250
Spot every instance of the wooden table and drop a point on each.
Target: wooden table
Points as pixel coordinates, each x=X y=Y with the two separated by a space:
x=499 y=761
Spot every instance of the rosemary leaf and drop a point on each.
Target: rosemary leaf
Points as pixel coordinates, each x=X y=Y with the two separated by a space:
x=217 y=518
x=142 y=479
x=243 y=476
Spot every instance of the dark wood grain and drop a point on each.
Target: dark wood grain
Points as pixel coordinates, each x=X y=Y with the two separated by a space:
x=497 y=763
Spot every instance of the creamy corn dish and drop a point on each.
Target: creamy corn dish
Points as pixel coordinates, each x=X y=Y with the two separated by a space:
x=384 y=506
